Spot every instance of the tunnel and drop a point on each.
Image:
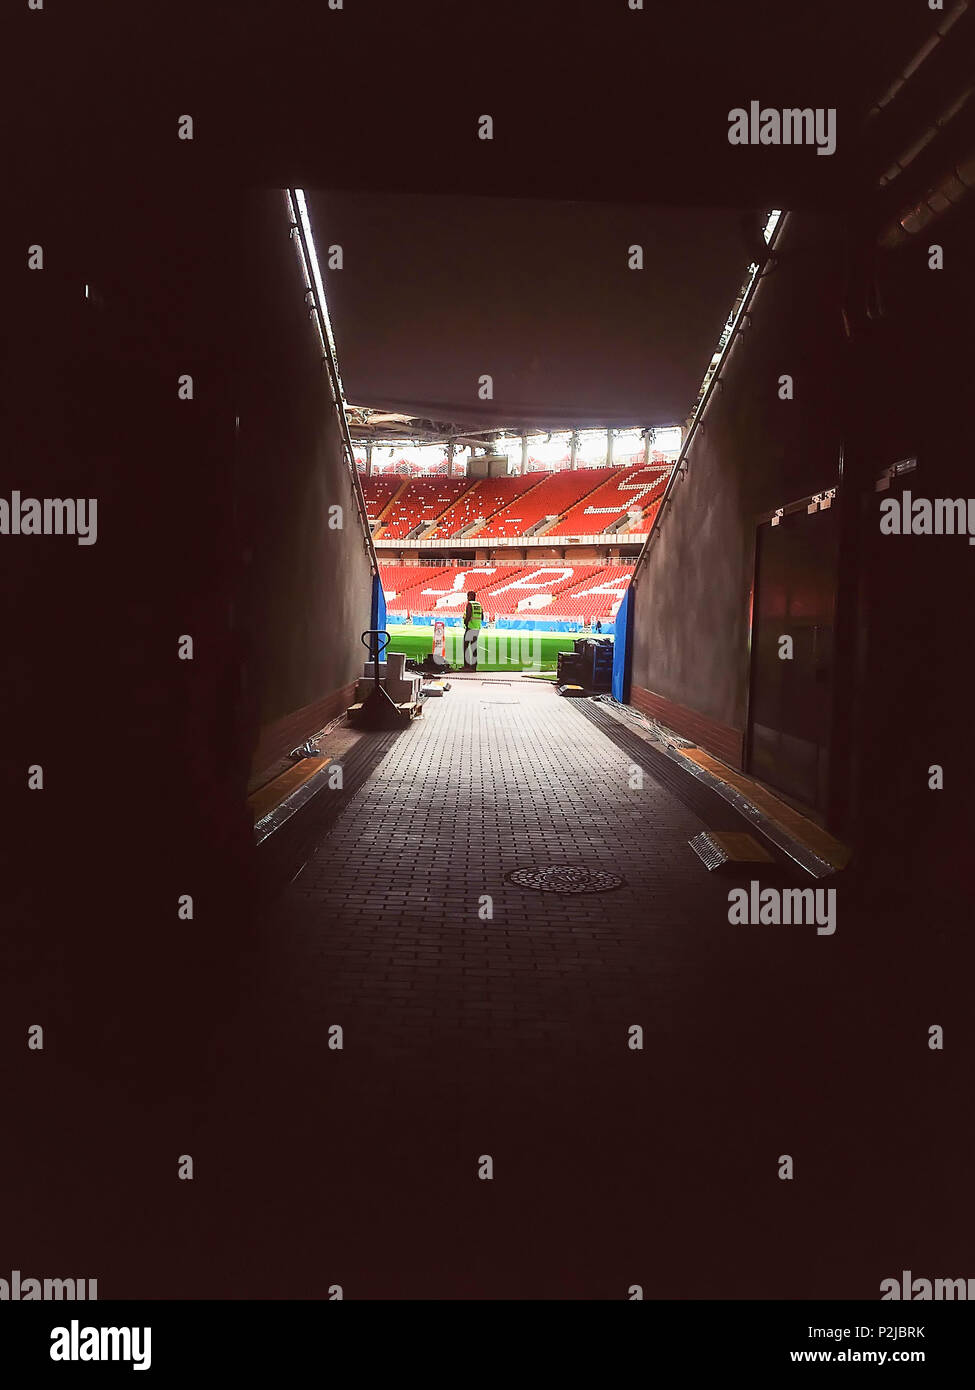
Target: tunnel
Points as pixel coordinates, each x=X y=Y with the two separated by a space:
x=626 y=944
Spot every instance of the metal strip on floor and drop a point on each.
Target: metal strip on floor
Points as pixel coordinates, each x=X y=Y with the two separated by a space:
x=719 y=806
x=283 y=854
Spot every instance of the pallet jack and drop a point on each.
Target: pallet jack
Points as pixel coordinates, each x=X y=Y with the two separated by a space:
x=378 y=711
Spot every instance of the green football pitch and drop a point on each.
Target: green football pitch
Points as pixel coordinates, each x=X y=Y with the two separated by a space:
x=498 y=650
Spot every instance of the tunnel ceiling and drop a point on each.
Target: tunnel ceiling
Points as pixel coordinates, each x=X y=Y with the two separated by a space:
x=592 y=99
x=589 y=100
x=435 y=294
x=511 y=259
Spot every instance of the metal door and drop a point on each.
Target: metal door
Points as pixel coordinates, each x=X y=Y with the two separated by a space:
x=790 y=699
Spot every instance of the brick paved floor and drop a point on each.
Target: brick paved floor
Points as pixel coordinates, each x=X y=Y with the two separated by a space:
x=508 y=1037
x=495 y=777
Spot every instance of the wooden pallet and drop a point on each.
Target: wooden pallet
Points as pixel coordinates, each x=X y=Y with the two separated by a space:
x=407 y=710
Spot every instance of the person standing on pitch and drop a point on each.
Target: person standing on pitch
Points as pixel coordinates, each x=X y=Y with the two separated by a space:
x=473 y=617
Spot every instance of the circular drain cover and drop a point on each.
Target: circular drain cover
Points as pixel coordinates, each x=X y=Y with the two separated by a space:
x=566 y=878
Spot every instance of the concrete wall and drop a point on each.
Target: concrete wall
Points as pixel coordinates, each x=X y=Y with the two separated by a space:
x=755 y=452
x=202 y=530
x=908 y=693
x=307 y=586
x=898 y=386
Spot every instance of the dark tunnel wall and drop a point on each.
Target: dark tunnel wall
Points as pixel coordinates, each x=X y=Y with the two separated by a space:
x=140 y=745
x=147 y=755
x=754 y=453
x=906 y=704
x=897 y=388
x=308 y=585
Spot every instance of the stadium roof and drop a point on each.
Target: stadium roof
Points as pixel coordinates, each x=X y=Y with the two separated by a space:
x=370 y=425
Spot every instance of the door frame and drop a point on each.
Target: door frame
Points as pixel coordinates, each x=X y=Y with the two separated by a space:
x=760 y=519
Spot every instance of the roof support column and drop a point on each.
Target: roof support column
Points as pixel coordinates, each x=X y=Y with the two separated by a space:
x=573 y=449
x=524 y=453
x=368 y=460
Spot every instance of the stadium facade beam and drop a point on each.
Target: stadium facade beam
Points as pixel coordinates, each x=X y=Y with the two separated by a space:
x=472 y=441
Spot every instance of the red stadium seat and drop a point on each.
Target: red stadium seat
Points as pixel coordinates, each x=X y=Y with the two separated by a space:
x=554 y=495
x=643 y=526
x=379 y=492
x=597 y=596
x=446 y=592
x=481 y=501
x=578 y=591
x=422 y=502
x=398 y=580
x=632 y=489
